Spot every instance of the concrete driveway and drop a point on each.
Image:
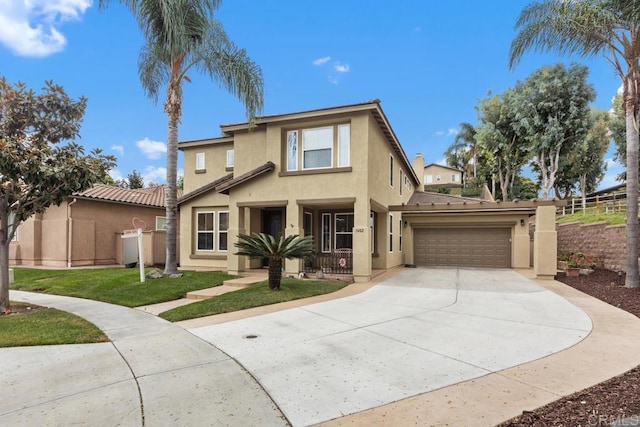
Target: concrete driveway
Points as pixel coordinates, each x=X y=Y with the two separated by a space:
x=419 y=330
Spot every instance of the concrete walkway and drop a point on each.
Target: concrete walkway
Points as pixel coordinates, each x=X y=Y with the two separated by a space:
x=419 y=347
x=152 y=373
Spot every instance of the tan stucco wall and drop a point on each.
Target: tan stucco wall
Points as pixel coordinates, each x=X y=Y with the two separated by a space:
x=215 y=158
x=94 y=226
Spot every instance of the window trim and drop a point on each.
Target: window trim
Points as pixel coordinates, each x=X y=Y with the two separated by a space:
x=218 y=231
x=230 y=154
x=390 y=233
x=331 y=148
x=391 y=168
x=400 y=235
x=335 y=229
x=291 y=144
x=400 y=186
x=165 y=223
x=323 y=242
x=212 y=232
x=344 y=144
x=200 y=161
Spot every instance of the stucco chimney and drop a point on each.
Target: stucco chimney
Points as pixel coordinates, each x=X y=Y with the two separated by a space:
x=418 y=168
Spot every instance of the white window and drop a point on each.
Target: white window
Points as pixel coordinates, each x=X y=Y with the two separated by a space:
x=292 y=150
x=161 y=223
x=230 y=158
x=407 y=182
x=317 y=148
x=326 y=232
x=205 y=231
x=455 y=178
x=372 y=227
x=223 y=228
x=343 y=236
x=400 y=235
x=199 y=161
x=400 y=182
x=390 y=232
x=391 y=171
x=344 y=145
x=308 y=224
x=428 y=179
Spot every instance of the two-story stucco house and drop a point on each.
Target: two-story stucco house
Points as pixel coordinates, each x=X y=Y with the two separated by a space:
x=441 y=176
x=341 y=175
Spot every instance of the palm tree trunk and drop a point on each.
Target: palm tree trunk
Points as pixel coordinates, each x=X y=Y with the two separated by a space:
x=275 y=273
x=173 y=109
x=633 y=277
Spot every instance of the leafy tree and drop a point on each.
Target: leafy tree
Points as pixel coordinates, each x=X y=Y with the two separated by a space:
x=608 y=28
x=617 y=126
x=275 y=249
x=135 y=180
x=551 y=111
x=183 y=36
x=497 y=135
x=36 y=169
x=524 y=188
x=586 y=161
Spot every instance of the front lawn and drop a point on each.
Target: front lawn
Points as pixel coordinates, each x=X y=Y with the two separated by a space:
x=34 y=325
x=115 y=285
x=253 y=296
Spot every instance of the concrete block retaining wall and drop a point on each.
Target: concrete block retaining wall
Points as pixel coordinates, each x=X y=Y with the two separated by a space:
x=607 y=241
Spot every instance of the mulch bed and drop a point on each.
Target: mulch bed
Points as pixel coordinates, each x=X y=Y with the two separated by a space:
x=607 y=402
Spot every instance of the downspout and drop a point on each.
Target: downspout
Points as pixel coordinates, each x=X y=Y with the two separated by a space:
x=69 y=232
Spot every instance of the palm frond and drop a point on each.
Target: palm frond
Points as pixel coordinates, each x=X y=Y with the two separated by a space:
x=261 y=245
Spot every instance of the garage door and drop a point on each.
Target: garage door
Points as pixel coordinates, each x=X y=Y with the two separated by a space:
x=464 y=247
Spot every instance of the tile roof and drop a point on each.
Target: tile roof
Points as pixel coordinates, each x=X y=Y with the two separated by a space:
x=253 y=173
x=427 y=198
x=205 y=188
x=152 y=196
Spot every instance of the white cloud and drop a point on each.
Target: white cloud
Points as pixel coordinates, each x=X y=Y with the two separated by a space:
x=341 y=68
x=31 y=27
x=332 y=80
x=118 y=149
x=155 y=174
x=452 y=132
x=152 y=149
x=115 y=174
x=440 y=133
x=321 y=61
x=442 y=162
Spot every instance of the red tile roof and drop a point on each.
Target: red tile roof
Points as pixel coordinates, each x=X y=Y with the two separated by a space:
x=153 y=196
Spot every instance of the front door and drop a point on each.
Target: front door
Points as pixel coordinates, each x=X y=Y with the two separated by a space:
x=272 y=223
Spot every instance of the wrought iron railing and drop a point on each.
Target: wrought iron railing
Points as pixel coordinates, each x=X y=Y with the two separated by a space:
x=338 y=262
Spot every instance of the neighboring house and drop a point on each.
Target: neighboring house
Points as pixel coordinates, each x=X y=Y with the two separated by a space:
x=340 y=175
x=440 y=176
x=86 y=229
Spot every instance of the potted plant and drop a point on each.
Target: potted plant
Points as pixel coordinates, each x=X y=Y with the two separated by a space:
x=578 y=261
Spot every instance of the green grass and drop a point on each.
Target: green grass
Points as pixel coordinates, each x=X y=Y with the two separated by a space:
x=46 y=326
x=253 y=296
x=590 y=217
x=115 y=285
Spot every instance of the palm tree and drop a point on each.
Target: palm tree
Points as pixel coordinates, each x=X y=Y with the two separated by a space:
x=467 y=137
x=275 y=249
x=181 y=36
x=610 y=28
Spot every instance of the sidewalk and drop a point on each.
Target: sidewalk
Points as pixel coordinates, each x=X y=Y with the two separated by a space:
x=152 y=373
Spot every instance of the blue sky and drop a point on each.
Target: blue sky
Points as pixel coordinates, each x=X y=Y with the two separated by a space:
x=427 y=61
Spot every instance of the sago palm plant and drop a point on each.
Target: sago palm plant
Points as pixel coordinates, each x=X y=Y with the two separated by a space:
x=275 y=249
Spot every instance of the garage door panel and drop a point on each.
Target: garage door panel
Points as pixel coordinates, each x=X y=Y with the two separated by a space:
x=468 y=247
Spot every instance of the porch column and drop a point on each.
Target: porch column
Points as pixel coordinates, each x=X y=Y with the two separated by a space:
x=361 y=240
x=545 y=243
x=521 y=245
x=293 y=226
x=235 y=263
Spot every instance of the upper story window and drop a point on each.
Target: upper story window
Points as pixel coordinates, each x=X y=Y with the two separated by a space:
x=318 y=148
x=391 y=170
x=400 y=182
x=230 y=158
x=455 y=178
x=428 y=179
x=161 y=223
x=200 y=162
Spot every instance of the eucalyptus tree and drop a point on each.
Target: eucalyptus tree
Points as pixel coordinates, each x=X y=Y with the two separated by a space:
x=40 y=165
x=183 y=36
x=605 y=28
x=497 y=135
x=552 y=112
